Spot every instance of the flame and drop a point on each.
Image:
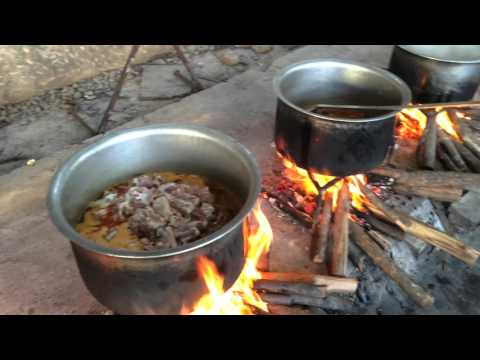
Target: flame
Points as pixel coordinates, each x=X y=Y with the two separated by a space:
x=300 y=177
x=240 y=298
x=358 y=198
x=463 y=116
x=411 y=123
x=444 y=122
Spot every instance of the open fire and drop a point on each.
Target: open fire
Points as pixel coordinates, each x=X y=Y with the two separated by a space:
x=412 y=123
x=355 y=211
x=240 y=299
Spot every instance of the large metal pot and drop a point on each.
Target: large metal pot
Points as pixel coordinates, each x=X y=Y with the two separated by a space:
x=438 y=73
x=335 y=146
x=157 y=282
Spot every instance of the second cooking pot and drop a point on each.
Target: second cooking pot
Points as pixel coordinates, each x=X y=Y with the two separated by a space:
x=333 y=145
x=438 y=73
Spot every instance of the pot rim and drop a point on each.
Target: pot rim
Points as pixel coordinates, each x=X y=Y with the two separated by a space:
x=405 y=91
x=61 y=223
x=411 y=51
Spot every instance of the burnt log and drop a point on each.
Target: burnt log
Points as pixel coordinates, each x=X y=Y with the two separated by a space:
x=471 y=141
x=385 y=227
x=472 y=161
x=423 y=178
x=381 y=240
x=443 y=194
x=334 y=285
x=420 y=230
x=419 y=295
x=427 y=146
x=291 y=288
x=321 y=229
x=450 y=148
x=446 y=160
x=329 y=303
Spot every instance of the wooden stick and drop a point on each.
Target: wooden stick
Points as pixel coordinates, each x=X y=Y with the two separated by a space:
x=285 y=206
x=424 y=178
x=118 y=89
x=287 y=310
x=452 y=151
x=196 y=84
x=427 y=146
x=339 y=252
x=469 y=139
x=298 y=215
x=321 y=231
x=472 y=161
x=381 y=240
x=329 y=303
x=420 y=296
x=440 y=211
x=356 y=256
x=334 y=285
x=422 y=231
x=444 y=194
x=446 y=160
x=385 y=227
x=290 y=288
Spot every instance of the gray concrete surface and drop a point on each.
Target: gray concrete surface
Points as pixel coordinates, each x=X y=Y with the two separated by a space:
x=37 y=271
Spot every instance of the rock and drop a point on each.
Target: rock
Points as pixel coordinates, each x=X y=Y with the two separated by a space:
x=158 y=81
x=472 y=239
x=228 y=57
x=49 y=132
x=466 y=209
x=209 y=66
x=262 y=49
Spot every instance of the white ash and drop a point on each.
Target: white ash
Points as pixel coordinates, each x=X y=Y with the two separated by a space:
x=162 y=214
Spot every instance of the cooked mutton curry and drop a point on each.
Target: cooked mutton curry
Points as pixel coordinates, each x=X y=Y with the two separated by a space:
x=158 y=211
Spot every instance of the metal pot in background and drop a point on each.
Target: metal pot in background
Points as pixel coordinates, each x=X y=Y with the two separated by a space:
x=335 y=146
x=438 y=73
x=157 y=282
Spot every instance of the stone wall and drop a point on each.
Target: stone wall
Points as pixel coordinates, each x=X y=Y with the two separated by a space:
x=28 y=70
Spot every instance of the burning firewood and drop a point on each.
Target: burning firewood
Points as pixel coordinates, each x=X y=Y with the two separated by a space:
x=329 y=303
x=333 y=285
x=450 y=148
x=321 y=219
x=321 y=229
x=426 y=151
x=420 y=296
x=291 y=288
x=444 y=194
x=471 y=141
x=420 y=230
x=464 y=181
x=339 y=252
x=284 y=205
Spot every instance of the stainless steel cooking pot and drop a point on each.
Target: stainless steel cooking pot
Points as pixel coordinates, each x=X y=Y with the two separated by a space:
x=332 y=145
x=157 y=282
x=438 y=73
